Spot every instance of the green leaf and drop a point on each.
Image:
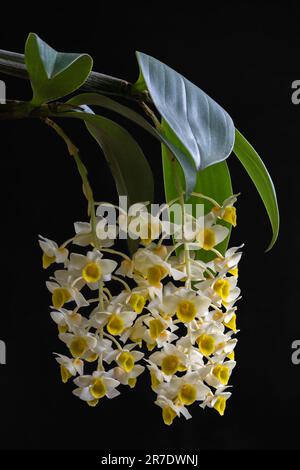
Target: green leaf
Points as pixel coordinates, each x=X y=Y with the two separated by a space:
x=201 y=125
x=257 y=171
x=186 y=163
x=214 y=182
x=53 y=74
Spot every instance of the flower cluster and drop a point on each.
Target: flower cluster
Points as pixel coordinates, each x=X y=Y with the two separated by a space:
x=174 y=315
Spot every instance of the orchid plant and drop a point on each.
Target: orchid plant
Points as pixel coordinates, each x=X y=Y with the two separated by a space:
x=174 y=314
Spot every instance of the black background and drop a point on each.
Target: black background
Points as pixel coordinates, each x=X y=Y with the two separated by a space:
x=246 y=56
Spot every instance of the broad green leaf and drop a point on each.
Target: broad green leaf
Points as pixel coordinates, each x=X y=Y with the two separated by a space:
x=214 y=182
x=257 y=171
x=53 y=74
x=201 y=125
x=186 y=163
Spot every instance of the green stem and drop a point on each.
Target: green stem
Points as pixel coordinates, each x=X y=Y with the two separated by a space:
x=12 y=63
x=113 y=340
x=185 y=245
x=116 y=278
x=115 y=252
x=74 y=152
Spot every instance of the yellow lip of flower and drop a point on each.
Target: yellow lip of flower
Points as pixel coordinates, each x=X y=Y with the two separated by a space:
x=126 y=361
x=231 y=356
x=91 y=357
x=187 y=394
x=155 y=274
x=186 y=311
x=48 y=260
x=234 y=271
x=222 y=288
x=154 y=380
x=132 y=382
x=230 y=215
x=207 y=239
x=65 y=374
x=168 y=415
x=170 y=364
x=206 y=344
x=232 y=323
x=62 y=328
x=60 y=296
x=156 y=327
x=220 y=405
x=98 y=388
x=91 y=272
x=92 y=402
x=222 y=373
x=78 y=346
x=115 y=325
x=137 y=302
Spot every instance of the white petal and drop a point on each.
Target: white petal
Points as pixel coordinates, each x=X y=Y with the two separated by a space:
x=220 y=232
x=108 y=266
x=112 y=393
x=83 y=380
x=82 y=227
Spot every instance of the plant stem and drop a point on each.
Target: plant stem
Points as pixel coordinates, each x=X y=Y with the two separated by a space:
x=116 y=278
x=185 y=245
x=113 y=340
x=74 y=152
x=115 y=252
x=12 y=63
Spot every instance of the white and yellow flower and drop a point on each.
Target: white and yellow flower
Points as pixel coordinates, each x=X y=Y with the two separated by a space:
x=210 y=236
x=227 y=211
x=116 y=322
x=170 y=359
x=170 y=411
x=127 y=369
x=185 y=390
x=79 y=343
x=52 y=253
x=67 y=320
x=186 y=304
x=69 y=367
x=229 y=263
x=92 y=268
x=160 y=329
x=220 y=373
x=65 y=287
x=92 y=388
x=150 y=269
x=218 y=400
